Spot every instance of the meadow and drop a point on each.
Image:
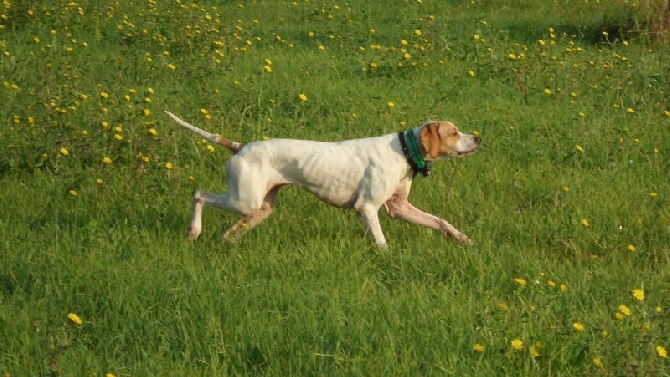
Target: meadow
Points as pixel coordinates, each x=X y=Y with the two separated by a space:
x=567 y=201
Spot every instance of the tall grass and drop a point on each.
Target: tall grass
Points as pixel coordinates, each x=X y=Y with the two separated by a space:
x=567 y=201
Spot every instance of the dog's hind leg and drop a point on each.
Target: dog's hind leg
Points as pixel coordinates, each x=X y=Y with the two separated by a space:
x=226 y=201
x=247 y=222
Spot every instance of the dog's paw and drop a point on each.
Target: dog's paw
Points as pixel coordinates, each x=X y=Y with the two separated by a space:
x=193 y=233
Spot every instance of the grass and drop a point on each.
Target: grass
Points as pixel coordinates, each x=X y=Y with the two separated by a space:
x=567 y=201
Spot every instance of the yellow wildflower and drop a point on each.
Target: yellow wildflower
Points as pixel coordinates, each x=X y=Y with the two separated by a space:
x=64 y=152
x=521 y=282
x=517 y=344
x=478 y=347
x=75 y=319
x=625 y=310
x=107 y=160
x=638 y=294
x=168 y=165
x=578 y=326
x=303 y=97
x=661 y=351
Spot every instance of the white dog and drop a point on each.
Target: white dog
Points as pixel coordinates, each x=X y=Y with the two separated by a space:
x=362 y=174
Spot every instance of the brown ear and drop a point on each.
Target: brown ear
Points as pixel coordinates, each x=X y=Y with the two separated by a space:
x=430 y=139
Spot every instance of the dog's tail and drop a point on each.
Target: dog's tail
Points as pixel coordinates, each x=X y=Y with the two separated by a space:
x=233 y=146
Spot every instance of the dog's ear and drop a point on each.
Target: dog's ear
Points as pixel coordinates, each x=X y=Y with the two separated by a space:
x=430 y=139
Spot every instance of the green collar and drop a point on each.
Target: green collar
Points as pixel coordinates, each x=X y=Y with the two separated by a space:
x=412 y=152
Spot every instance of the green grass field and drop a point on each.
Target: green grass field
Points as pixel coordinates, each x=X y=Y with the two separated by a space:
x=567 y=201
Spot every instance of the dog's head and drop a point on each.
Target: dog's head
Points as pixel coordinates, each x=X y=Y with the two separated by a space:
x=442 y=139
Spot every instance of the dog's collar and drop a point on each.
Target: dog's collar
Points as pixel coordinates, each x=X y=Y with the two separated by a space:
x=411 y=150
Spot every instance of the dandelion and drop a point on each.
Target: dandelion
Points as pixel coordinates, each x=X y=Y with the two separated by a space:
x=303 y=97
x=64 y=152
x=564 y=287
x=631 y=248
x=521 y=282
x=658 y=310
x=597 y=363
x=478 y=347
x=153 y=131
x=267 y=68
x=638 y=294
x=624 y=310
x=118 y=137
x=73 y=192
x=390 y=104
x=417 y=32
x=503 y=306
x=146 y=112
x=535 y=349
x=578 y=326
x=660 y=350
x=579 y=148
x=585 y=223
x=171 y=67
x=75 y=319
x=653 y=195
x=547 y=91
x=471 y=73
x=517 y=344
x=104 y=95
x=210 y=148
x=104 y=125
x=168 y=165
x=99 y=181
x=191 y=178
x=630 y=110
x=107 y=160
x=373 y=65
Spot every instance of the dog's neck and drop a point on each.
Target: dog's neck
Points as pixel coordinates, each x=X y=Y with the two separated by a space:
x=413 y=152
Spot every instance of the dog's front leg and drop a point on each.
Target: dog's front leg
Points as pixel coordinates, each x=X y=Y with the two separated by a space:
x=369 y=216
x=401 y=209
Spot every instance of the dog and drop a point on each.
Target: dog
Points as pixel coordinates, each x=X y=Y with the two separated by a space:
x=362 y=174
